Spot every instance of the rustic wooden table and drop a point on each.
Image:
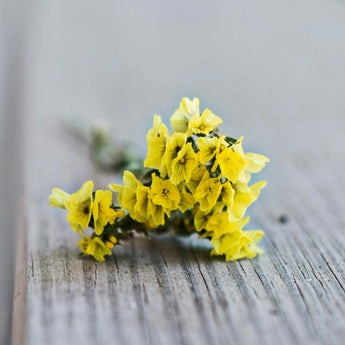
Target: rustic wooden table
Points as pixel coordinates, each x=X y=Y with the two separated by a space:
x=275 y=72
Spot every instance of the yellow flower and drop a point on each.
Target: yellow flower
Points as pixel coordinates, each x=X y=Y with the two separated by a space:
x=253 y=162
x=200 y=218
x=208 y=148
x=156 y=214
x=164 y=193
x=227 y=243
x=218 y=224
x=174 y=145
x=187 y=200
x=137 y=199
x=80 y=207
x=141 y=212
x=59 y=198
x=244 y=196
x=113 y=239
x=109 y=244
x=132 y=196
x=238 y=245
x=222 y=223
x=227 y=194
x=149 y=224
x=83 y=243
x=97 y=248
x=179 y=120
x=203 y=124
x=184 y=164
x=231 y=164
x=102 y=211
x=196 y=177
x=249 y=250
x=207 y=193
x=156 y=140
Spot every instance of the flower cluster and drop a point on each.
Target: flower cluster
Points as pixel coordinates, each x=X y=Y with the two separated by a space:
x=87 y=208
x=196 y=181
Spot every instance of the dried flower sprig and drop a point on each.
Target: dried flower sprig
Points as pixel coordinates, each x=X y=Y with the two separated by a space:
x=196 y=181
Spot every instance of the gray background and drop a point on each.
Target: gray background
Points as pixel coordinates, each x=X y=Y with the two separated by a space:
x=269 y=64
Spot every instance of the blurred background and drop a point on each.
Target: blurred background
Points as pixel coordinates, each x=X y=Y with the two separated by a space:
x=272 y=68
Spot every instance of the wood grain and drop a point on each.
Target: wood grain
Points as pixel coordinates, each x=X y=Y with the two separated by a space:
x=284 y=92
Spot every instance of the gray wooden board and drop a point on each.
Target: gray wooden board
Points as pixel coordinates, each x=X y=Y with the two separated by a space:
x=11 y=24
x=289 y=104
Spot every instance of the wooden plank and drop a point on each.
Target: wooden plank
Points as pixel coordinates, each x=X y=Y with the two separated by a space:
x=12 y=20
x=20 y=288
x=166 y=290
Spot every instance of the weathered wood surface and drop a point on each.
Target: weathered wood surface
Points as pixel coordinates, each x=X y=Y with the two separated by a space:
x=279 y=82
x=11 y=24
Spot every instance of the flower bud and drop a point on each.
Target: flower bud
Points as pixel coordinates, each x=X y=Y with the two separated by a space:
x=113 y=239
x=109 y=244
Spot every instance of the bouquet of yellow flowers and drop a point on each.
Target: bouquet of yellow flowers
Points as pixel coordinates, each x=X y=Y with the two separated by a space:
x=195 y=181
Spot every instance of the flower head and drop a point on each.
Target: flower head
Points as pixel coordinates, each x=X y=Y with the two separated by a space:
x=207 y=193
x=237 y=245
x=164 y=193
x=95 y=247
x=196 y=177
x=156 y=140
x=179 y=120
x=200 y=218
x=141 y=207
x=222 y=223
x=205 y=123
x=102 y=211
x=244 y=196
x=184 y=164
x=227 y=194
x=208 y=148
x=156 y=214
x=187 y=199
x=79 y=207
x=59 y=198
x=174 y=145
x=131 y=196
x=231 y=164
x=253 y=162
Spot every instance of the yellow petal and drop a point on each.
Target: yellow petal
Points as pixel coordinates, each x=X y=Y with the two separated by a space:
x=80 y=207
x=184 y=164
x=175 y=143
x=157 y=214
x=187 y=199
x=245 y=196
x=231 y=164
x=84 y=193
x=179 y=120
x=255 y=162
x=83 y=243
x=59 y=198
x=141 y=212
x=208 y=148
x=102 y=211
x=98 y=249
x=156 y=139
x=205 y=123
